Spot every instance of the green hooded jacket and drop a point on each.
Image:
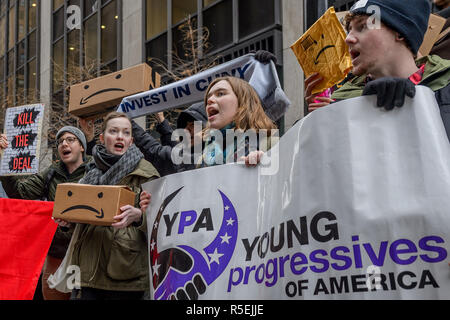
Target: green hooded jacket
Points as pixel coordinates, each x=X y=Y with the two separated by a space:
x=436 y=77
x=116 y=259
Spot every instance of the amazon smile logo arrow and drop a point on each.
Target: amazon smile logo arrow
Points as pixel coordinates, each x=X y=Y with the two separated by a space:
x=83 y=101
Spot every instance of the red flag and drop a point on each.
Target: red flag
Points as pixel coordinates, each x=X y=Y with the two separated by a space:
x=26 y=232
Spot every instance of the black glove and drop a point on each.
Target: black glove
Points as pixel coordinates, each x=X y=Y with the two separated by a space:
x=390 y=91
x=265 y=56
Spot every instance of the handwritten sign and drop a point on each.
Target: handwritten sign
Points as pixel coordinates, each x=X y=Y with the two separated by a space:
x=23 y=127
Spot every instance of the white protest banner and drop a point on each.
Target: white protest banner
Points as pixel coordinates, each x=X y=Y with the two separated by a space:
x=357 y=210
x=23 y=126
x=263 y=78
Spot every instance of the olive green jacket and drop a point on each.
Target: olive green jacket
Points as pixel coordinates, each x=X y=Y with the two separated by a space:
x=36 y=187
x=436 y=77
x=115 y=259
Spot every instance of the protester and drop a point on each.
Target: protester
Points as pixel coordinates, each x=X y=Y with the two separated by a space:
x=71 y=168
x=113 y=260
x=232 y=103
x=160 y=153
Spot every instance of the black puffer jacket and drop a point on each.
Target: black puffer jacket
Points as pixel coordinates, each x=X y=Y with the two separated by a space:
x=160 y=153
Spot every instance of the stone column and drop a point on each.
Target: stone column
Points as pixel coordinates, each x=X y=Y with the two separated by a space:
x=133 y=37
x=45 y=77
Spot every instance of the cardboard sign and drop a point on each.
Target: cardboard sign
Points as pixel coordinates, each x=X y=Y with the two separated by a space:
x=103 y=94
x=323 y=49
x=435 y=25
x=97 y=205
x=23 y=126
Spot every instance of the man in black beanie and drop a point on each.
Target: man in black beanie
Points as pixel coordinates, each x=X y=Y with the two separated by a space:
x=384 y=37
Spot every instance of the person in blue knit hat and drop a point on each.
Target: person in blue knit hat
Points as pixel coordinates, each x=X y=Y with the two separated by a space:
x=384 y=37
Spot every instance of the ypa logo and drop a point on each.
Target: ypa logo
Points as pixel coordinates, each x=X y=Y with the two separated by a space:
x=184 y=272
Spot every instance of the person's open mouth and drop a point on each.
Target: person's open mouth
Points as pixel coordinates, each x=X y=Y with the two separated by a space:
x=66 y=153
x=354 y=54
x=211 y=111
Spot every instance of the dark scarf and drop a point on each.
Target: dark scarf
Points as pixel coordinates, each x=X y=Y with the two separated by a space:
x=110 y=169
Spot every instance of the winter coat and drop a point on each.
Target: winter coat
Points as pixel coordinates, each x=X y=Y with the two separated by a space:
x=436 y=77
x=225 y=153
x=116 y=259
x=37 y=187
x=160 y=153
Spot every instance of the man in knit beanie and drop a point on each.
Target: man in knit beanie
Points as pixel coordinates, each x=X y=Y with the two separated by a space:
x=384 y=37
x=71 y=143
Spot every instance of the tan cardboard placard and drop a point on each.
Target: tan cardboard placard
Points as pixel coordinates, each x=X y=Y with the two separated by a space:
x=89 y=204
x=435 y=25
x=322 y=49
x=103 y=94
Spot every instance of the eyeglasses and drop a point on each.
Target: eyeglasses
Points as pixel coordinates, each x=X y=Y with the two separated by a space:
x=69 y=140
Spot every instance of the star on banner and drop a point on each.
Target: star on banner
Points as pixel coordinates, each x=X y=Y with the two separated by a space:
x=226 y=238
x=230 y=222
x=156 y=269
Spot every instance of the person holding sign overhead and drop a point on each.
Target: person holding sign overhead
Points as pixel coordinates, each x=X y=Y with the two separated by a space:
x=113 y=260
x=383 y=57
x=71 y=168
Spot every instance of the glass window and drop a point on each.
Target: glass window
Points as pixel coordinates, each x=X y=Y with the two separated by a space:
x=181 y=9
x=58 y=65
x=2 y=69
x=12 y=23
x=32 y=8
x=21 y=54
x=11 y=62
x=2 y=35
x=180 y=42
x=208 y=2
x=3 y=6
x=58 y=24
x=156 y=17
x=10 y=89
x=73 y=50
x=32 y=45
x=157 y=49
x=109 y=31
x=262 y=15
x=32 y=80
x=90 y=40
x=57 y=4
x=218 y=19
x=20 y=86
x=90 y=6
